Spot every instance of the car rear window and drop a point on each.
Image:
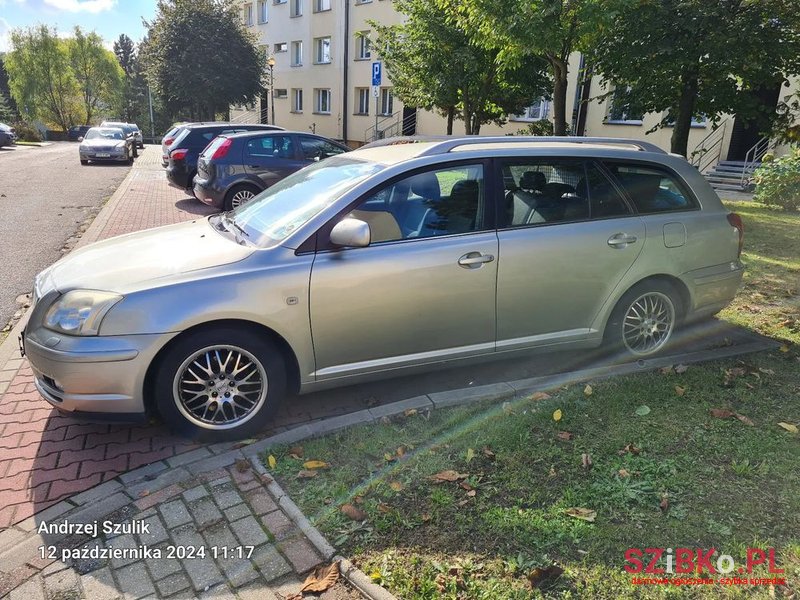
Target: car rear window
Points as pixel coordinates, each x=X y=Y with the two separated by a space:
x=212 y=147
x=652 y=189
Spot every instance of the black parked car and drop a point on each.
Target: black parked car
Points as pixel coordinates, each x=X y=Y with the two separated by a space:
x=77 y=131
x=234 y=168
x=189 y=143
x=130 y=133
x=8 y=136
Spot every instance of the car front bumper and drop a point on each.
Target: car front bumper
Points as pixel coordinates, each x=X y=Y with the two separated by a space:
x=92 y=374
x=114 y=155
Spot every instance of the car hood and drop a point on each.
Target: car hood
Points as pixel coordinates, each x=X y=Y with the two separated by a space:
x=101 y=142
x=130 y=262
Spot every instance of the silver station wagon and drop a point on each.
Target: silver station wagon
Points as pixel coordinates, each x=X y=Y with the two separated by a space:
x=389 y=259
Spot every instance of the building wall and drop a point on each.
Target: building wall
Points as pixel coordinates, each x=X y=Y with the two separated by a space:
x=312 y=24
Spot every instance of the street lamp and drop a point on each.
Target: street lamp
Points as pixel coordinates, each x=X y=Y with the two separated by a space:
x=271 y=64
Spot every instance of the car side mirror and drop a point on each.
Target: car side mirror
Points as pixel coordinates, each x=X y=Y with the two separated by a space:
x=80 y=138
x=351 y=233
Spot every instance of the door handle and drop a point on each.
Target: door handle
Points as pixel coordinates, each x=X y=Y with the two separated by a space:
x=472 y=260
x=620 y=240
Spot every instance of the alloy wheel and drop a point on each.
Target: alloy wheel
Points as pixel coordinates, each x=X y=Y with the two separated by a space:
x=648 y=323
x=241 y=197
x=220 y=387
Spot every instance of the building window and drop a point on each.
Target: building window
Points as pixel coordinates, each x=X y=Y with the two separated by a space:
x=297 y=100
x=362 y=101
x=619 y=109
x=280 y=93
x=281 y=47
x=297 y=53
x=322 y=101
x=364 y=50
x=387 y=101
x=247 y=16
x=322 y=52
x=322 y=5
x=279 y=1
x=535 y=112
x=363 y=1
x=262 y=11
x=296 y=9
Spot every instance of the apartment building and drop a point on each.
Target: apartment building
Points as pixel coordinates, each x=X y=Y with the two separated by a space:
x=322 y=71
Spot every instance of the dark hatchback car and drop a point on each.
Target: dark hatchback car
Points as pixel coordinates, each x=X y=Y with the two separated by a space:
x=234 y=168
x=77 y=131
x=189 y=143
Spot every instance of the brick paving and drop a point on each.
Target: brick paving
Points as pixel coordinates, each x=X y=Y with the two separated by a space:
x=226 y=533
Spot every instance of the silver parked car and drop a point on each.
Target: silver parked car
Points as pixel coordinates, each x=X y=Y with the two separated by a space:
x=101 y=144
x=380 y=262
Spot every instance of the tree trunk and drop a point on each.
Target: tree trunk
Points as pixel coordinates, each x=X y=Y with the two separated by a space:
x=451 y=113
x=560 y=71
x=683 y=117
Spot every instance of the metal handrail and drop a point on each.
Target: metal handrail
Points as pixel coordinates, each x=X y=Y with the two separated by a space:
x=753 y=158
x=705 y=146
x=372 y=133
x=450 y=144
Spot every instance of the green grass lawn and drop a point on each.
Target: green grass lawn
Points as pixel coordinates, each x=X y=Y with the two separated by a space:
x=672 y=474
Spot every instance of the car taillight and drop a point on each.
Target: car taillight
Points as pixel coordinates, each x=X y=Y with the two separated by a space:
x=222 y=149
x=178 y=154
x=168 y=141
x=736 y=221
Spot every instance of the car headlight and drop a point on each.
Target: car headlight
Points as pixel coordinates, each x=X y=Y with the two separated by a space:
x=80 y=312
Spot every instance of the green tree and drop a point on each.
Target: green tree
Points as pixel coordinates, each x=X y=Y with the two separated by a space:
x=8 y=108
x=41 y=78
x=519 y=30
x=134 y=88
x=435 y=64
x=685 y=58
x=97 y=72
x=199 y=57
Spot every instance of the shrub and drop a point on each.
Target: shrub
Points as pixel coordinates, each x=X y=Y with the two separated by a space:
x=778 y=181
x=27 y=132
x=540 y=127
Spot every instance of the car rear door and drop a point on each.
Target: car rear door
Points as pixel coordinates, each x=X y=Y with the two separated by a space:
x=271 y=157
x=567 y=236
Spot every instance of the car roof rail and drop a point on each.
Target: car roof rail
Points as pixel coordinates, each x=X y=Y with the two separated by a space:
x=444 y=144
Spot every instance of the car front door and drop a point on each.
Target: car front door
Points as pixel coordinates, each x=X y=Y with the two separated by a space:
x=424 y=288
x=271 y=157
x=314 y=149
x=567 y=237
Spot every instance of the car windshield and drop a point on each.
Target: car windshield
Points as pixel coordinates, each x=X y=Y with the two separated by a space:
x=280 y=210
x=108 y=134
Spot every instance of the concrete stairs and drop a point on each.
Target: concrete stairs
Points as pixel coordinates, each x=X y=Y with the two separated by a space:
x=727 y=174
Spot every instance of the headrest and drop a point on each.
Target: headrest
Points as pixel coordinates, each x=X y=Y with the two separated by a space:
x=465 y=187
x=425 y=185
x=533 y=180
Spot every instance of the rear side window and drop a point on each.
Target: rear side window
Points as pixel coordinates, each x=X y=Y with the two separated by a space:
x=652 y=190
x=274 y=146
x=314 y=148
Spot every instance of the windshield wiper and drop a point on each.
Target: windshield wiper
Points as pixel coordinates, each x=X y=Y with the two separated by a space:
x=238 y=227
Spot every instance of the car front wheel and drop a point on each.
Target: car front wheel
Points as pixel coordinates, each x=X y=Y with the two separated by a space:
x=220 y=384
x=644 y=319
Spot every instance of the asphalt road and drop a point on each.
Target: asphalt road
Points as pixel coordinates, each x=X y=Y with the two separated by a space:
x=45 y=196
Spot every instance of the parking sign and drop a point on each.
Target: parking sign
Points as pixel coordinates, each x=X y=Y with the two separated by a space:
x=376 y=73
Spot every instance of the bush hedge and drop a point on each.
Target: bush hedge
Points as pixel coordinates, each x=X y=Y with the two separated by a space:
x=778 y=181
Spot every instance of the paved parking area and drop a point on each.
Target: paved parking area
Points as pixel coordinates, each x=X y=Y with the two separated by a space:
x=46 y=457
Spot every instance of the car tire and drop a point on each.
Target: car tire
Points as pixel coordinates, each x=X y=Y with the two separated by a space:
x=84 y=162
x=255 y=390
x=129 y=160
x=238 y=195
x=644 y=319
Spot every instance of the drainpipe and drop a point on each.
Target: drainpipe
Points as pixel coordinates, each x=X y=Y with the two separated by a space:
x=346 y=70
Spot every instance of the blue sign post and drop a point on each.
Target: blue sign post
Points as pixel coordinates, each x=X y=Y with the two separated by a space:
x=376 y=82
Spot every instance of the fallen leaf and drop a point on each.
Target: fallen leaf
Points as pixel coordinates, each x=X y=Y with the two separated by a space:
x=784 y=348
x=448 y=475
x=410 y=412
x=316 y=464
x=272 y=462
x=242 y=465
x=400 y=452
x=680 y=369
x=488 y=453
x=353 y=512
x=766 y=371
x=788 y=427
x=465 y=486
x=721 y=413
x=557 y=414
x=623 y=473
x=584 y=514
x=507 y=408
x=680 y=390
x=470 y=454
x=643 y=410
x=358 y=499
x=384 y=508
x=540 y=396
x=296 y=452
x=425 y=517
x=322 y=578
x=396 y=486
x=464 y=502
x=629 y=448
x=244 y=443
x=564 y=435
x=552 y=472
x=587 y=391
x=664 y=504
x=389 y=457
x=745 y=420
x=144 y=493
x=586 y=461
x=665 y=370
x=471 y=493
x=306 y=474
x=546 y=575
